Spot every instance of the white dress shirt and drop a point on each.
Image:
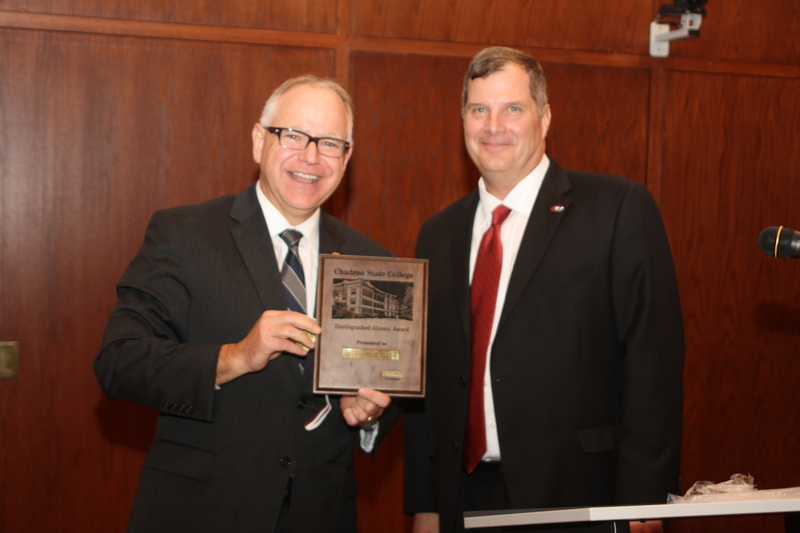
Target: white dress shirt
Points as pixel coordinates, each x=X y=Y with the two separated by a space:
x=307 y=249
x=520 y=200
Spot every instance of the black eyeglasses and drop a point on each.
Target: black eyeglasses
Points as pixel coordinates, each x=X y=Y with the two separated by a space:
x=298 y=140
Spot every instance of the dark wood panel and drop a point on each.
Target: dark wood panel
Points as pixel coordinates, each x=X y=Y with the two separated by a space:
x=600 y=118
x=167 y=30
x=583 y=25
x=409 y=160
x=95 y=134
x=729 y=168
x=733 y=30
x=679 y=60
x=743 y=31
x=297 y=15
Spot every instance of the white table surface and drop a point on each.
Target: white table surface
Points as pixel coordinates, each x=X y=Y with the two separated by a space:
x=476 y=519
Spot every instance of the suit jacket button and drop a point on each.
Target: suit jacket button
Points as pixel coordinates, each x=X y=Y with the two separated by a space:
x=455 y=445
x=301 y=404
x=463 y=380
x=286 y=461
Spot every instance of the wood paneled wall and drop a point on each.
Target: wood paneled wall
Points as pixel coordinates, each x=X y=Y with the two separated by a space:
x=110 y=109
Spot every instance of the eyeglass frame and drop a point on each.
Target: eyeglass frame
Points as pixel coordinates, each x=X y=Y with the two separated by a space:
x=277 y=131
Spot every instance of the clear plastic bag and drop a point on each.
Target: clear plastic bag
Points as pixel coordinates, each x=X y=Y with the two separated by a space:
x=739 y=487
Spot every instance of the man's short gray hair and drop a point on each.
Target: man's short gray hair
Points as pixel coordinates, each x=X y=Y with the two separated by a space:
x=315 y=81
x=490 y=60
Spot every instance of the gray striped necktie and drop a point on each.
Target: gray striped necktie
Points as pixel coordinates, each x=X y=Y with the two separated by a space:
x=294 y=281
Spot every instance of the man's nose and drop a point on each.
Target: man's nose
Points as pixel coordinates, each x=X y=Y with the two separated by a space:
x=310 y=154
x=494 y=123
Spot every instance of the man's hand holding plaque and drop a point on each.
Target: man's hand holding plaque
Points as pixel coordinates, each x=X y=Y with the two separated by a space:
x=365 y=408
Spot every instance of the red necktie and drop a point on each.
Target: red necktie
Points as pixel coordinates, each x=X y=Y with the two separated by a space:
x=483 y=296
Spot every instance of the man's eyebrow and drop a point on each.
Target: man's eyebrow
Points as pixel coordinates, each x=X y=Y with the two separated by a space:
x=516 y=103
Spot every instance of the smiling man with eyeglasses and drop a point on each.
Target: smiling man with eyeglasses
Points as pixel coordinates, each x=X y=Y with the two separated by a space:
x=211 y=331
x=304 y=159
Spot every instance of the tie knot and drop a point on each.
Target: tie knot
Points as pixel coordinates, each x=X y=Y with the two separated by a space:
x=291 y=237
x=499 y=214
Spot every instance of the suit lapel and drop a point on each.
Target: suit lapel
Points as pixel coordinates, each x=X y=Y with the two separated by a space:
x=331 y=239
x=255 y=246
x=462 y=241
x=541 y=226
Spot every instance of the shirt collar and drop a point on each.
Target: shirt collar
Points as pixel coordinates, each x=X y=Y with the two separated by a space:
x=521 y=198
x=277 y=223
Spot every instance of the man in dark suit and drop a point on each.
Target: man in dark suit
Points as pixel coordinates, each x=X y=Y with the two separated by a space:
x=201 y=333
x=555 y=347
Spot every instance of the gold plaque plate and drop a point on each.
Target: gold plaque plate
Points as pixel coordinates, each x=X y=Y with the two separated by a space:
x=358 y=353
x=9 y=359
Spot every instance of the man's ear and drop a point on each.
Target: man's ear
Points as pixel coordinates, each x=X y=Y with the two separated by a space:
x=347 y=156
x=258 y=142
x=546 y=117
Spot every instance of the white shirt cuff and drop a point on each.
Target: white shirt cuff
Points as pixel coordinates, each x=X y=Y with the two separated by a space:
x=368 y=438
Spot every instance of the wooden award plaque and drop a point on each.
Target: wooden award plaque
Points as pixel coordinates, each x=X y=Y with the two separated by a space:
x=373 y=315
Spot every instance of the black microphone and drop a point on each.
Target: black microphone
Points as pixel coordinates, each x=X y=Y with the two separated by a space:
x=778 y=241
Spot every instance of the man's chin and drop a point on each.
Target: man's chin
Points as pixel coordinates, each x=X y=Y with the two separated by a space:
x=493 y=166
x=306 y=205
